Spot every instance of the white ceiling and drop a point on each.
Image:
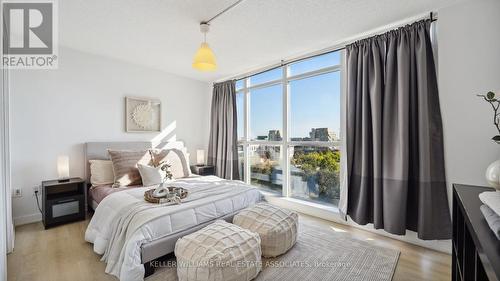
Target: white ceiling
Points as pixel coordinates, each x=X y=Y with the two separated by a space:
x=165 y=34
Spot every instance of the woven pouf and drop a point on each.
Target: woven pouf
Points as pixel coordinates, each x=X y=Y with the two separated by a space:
x=219 y=252
x=277 y=227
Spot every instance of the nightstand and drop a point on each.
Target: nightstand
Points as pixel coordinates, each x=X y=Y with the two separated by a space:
x=203 y=170
x=63 y=201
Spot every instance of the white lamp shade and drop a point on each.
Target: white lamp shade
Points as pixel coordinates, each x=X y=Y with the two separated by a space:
x=200 y=156
x=63 y=167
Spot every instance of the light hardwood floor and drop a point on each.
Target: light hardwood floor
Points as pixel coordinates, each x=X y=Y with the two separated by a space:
x=61 y=253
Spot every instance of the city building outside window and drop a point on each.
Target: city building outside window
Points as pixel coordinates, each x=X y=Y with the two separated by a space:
x=289 y=129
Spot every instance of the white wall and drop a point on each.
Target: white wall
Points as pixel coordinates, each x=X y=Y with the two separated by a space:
x=469 y=64
x=55 y=111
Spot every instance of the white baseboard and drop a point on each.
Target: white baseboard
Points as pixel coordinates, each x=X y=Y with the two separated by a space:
x=27 y=219
x=331 y=214
x=316 y=210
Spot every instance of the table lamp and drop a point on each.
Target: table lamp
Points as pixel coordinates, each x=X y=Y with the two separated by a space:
x=200 y=157
x=63 y=168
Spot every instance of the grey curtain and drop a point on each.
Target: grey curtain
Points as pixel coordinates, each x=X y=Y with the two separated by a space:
x=394 y=135
x=222 y=147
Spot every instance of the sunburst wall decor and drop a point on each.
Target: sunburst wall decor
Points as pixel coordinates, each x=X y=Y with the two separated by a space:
x=142 y=114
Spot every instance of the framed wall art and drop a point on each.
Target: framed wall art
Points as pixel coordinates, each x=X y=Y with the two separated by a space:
x=142 y=114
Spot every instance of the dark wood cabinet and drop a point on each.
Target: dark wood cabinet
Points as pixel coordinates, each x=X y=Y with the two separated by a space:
x=203 y=170
x=63 y=202
x=476 y=250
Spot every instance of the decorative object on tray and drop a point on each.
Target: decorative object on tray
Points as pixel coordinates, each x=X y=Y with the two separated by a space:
x=493 y=170
x=163 y=193
x=173 y=195
x=164 y=174
x=176 y=158
x=142 y=114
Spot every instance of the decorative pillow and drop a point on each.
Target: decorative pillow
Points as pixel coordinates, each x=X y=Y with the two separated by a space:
x=177 y=159
x=101 y=172
x=125 y=166
x=150 y=175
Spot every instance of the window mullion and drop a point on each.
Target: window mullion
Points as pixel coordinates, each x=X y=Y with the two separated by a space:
x=246 y=146
x=285 y=148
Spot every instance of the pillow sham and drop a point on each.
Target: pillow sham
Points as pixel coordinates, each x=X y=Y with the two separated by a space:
x=177 y=159
x=150 y=175
x=101 y=172
x=125 y=166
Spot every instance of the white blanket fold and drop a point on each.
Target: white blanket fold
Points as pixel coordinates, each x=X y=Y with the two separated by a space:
x=123 y=221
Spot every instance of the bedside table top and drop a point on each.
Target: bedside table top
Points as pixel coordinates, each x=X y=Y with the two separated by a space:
x=203 y=170
x=56 y=182
x=202 y=166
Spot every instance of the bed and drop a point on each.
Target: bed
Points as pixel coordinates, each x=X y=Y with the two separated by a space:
x=99 y=151
x=149 y=231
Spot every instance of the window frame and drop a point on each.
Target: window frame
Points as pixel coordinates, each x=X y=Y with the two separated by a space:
x=286 y=143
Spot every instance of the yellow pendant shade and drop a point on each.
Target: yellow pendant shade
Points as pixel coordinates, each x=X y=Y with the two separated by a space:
x=204 y=59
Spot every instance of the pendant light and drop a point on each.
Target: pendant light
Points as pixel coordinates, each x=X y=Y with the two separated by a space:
x=204 y=59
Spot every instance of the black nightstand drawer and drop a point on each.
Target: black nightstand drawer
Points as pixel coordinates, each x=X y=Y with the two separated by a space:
x=65 y=209
x=203 y=170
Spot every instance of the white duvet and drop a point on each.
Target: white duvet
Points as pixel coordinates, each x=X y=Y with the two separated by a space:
x=123 y=221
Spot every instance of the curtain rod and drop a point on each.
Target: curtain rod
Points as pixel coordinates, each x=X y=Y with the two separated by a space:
x=223 y=11
x=431 y=16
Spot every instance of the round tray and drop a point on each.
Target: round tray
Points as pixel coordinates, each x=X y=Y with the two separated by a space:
x=148 y=195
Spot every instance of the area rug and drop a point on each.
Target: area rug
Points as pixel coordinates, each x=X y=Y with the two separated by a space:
x=319 y=254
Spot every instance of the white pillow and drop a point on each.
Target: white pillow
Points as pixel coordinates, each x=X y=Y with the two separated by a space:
x=150 y=175
x=176 y=158
x=101 y=172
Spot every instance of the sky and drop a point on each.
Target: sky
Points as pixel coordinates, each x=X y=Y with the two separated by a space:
x=314 y=101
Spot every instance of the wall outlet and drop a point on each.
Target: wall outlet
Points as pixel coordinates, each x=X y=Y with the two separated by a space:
x=36 y=189
x=17 y=192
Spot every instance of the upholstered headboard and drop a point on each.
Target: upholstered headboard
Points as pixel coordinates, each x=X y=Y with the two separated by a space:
x=99 y=150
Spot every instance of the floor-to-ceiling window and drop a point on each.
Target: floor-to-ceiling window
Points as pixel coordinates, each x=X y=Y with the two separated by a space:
x=289 y=129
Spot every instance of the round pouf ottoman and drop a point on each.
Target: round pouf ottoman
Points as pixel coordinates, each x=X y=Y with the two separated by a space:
x=219 y=252
x=277 y=227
